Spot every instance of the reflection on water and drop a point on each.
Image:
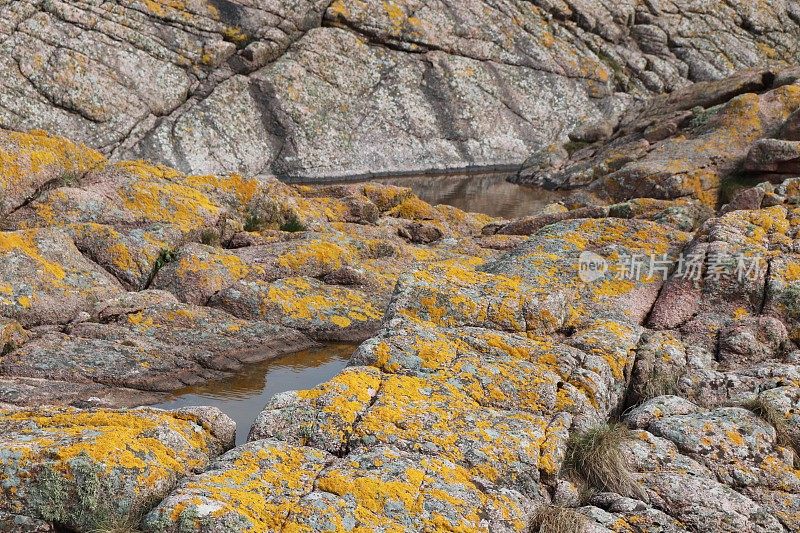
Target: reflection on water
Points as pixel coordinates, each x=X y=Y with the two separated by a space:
x=480 y=193
x=244 y=395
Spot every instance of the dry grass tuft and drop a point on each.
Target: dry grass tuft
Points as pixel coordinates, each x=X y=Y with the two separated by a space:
x=661 y=384
x=557 y=519
x=597 y=456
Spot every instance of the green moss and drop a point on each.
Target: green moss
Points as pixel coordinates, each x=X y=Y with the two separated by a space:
x=292 y=225
x=701 y=116
x=165 y=257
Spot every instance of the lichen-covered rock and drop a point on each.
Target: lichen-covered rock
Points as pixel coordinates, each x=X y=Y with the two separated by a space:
x=238 y=86
x=290 y=262
x=689 y=143
x=46 y=280
x=30 y=162
x=254 y=487
x=321 y=311
x=77 y=467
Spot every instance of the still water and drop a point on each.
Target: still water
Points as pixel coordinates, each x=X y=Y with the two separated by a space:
x=244 y=395
x=480 y=193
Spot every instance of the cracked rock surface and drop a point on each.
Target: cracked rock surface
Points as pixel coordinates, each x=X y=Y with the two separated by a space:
x=489 y=349
x=321 y=89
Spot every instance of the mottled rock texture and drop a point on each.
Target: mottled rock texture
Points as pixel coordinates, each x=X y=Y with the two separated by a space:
x=310 y=88
x=492 y=355
x=120 y=279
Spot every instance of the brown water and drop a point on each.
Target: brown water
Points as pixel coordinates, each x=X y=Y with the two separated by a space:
x=244 y=395
x=480 y=193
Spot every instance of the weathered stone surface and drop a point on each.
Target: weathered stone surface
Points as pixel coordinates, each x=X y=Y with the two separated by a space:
x=46 y=280
x=697 y=157
x=72 y=467
x=237 y=86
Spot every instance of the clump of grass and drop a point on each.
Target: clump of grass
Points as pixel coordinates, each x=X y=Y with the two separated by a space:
x=661 y=383
x=209 y=237
x=598 y=457
x=254 y=222
x=293 y=225
x=759 y=407
x=115 y=524
x=165 y=257
x=557 y=519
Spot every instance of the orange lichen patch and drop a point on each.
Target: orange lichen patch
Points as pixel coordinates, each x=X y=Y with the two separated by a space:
x=323 y=254
x=416 y=491
x=260 y=486
x=235 y=34
x=413 y=208
x=181 y=8
x=215 y=270
x=341 y=400
x=614 y=288
x=435 y=416
x=613 y=342
x=181 y=206
x=386 y=197
x=244 y=189
x=302 y=299
x=24 y=154
x=25 y=243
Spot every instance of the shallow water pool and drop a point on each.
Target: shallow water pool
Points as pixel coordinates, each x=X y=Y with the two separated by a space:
x=481 y=193
x=244 y=395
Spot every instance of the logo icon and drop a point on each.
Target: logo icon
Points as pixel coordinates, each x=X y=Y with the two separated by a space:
x=591 y=267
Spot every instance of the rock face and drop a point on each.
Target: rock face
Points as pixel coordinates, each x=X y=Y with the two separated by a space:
x=650 y=321
x=308 y=88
